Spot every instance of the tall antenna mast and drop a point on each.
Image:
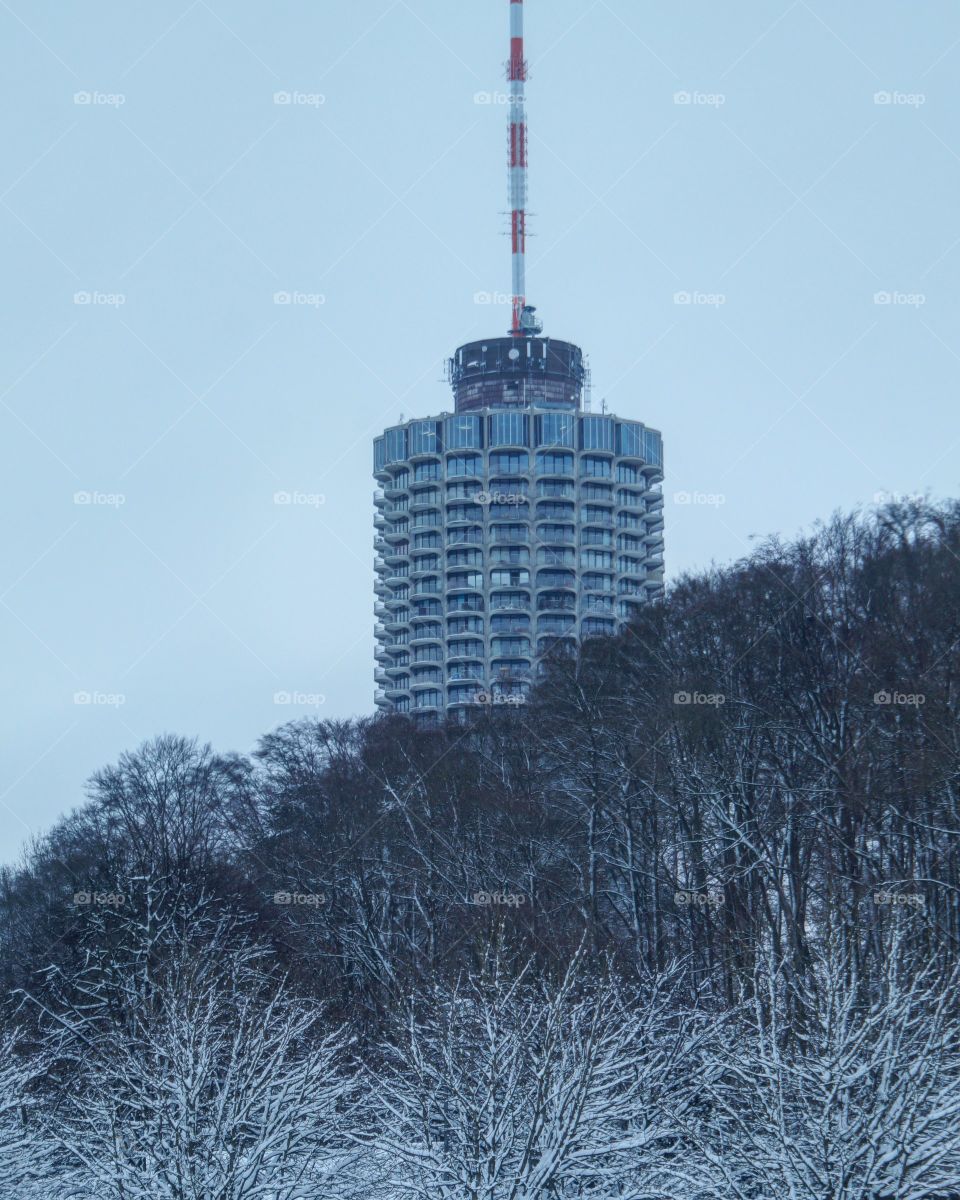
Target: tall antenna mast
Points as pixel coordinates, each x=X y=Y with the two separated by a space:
x=517 y=74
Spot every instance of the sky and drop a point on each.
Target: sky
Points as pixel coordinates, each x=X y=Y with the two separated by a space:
x=242 y=238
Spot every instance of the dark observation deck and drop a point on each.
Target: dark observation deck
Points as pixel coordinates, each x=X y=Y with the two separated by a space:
x=517 y=372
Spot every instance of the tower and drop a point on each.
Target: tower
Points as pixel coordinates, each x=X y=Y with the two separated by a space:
x=518 y=524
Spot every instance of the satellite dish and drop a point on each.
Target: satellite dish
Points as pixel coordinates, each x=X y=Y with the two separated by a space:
x=514 y=354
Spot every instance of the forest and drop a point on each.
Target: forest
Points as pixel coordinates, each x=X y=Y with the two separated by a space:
x=682 y=926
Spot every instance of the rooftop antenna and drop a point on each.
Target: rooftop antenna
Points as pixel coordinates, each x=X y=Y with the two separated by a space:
x=524 y=321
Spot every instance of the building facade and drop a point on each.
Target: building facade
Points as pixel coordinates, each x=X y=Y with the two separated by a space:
x=513 y=525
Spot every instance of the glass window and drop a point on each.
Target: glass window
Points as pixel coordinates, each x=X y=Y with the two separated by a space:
x=556 y=556
x=555 y=429
x=465 y=649
x=653 y=447
x=425 y=471
x=426 y=541
x=510 y=533
x=549 y=463
x=462 y=491
x=427 y=608
x=510 y=623
x=462 y=433
x=510 y=464
x=596 y=537
x=509 y=554
x=519 y=577
x=630 y=499
x=597 y=433
x=464 y=558
x=396 y=440
x=463 y=464
x=518 y=600
x=555 y=533
x=599 y=467
x=465 y=625
x=424 y=437
x=627 y=473
x=508 y=429
x=555 y=487
x=510 y=645
x=630 y=439
x=428 y=699
x=467 y=602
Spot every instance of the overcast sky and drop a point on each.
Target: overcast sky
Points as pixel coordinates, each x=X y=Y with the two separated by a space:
x=785 y=167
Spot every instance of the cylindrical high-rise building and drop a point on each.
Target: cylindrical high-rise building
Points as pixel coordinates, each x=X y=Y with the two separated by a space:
x=514 y=524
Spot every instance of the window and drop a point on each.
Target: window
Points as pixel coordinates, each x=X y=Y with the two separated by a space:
x=509 y=623
x=509 y=464
x=556 y=602
x=427 y=562
x=508 y=429
x=628 y=541
x=426 y=519
x=468 y=602
x=424 y=437
x=626 y=473
x=630 y=566
x=465 y=649
x=597 y=558
x=402 y=704
x=430 y=630
x=463 y=464
x=466 y=671
x=425 y=471
x=423 y=654
x=462 y=433
x=599 y=467
x=594 y=582
x=593 y=513
x=427 y=608
x=596 y=537
x=508 y=510
x=598 y=604
x=556 y=579
x=400 y=480
x=509 y=554
x=508 y=578
x=553 y=509
x=465 y=579
x=396 y=441
x=470 y=535
x=426 y=541
x=401 y=593
x=630 y=499
x=630 y=439
x=596 y=491
x=462 y=491
x=555 y=533
x=510 y=533
x=629 y=520
x=426 y=496
x=596 y=626
x=464 y=512
x=558 y=623
x=518 y=600
x=428 y=585
x=556 y=556
x=549 y=463
x=379 y=454
x=465 y=625
x=464 y=558
x=511 y=645
x=461 y=695
x=555 y=429
x=652 y=448
x=430 y=675
x=554 y=487
x=597 y=433
x=429 y=699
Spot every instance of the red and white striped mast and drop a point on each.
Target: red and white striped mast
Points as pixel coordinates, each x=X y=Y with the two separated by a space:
x=517 y=74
